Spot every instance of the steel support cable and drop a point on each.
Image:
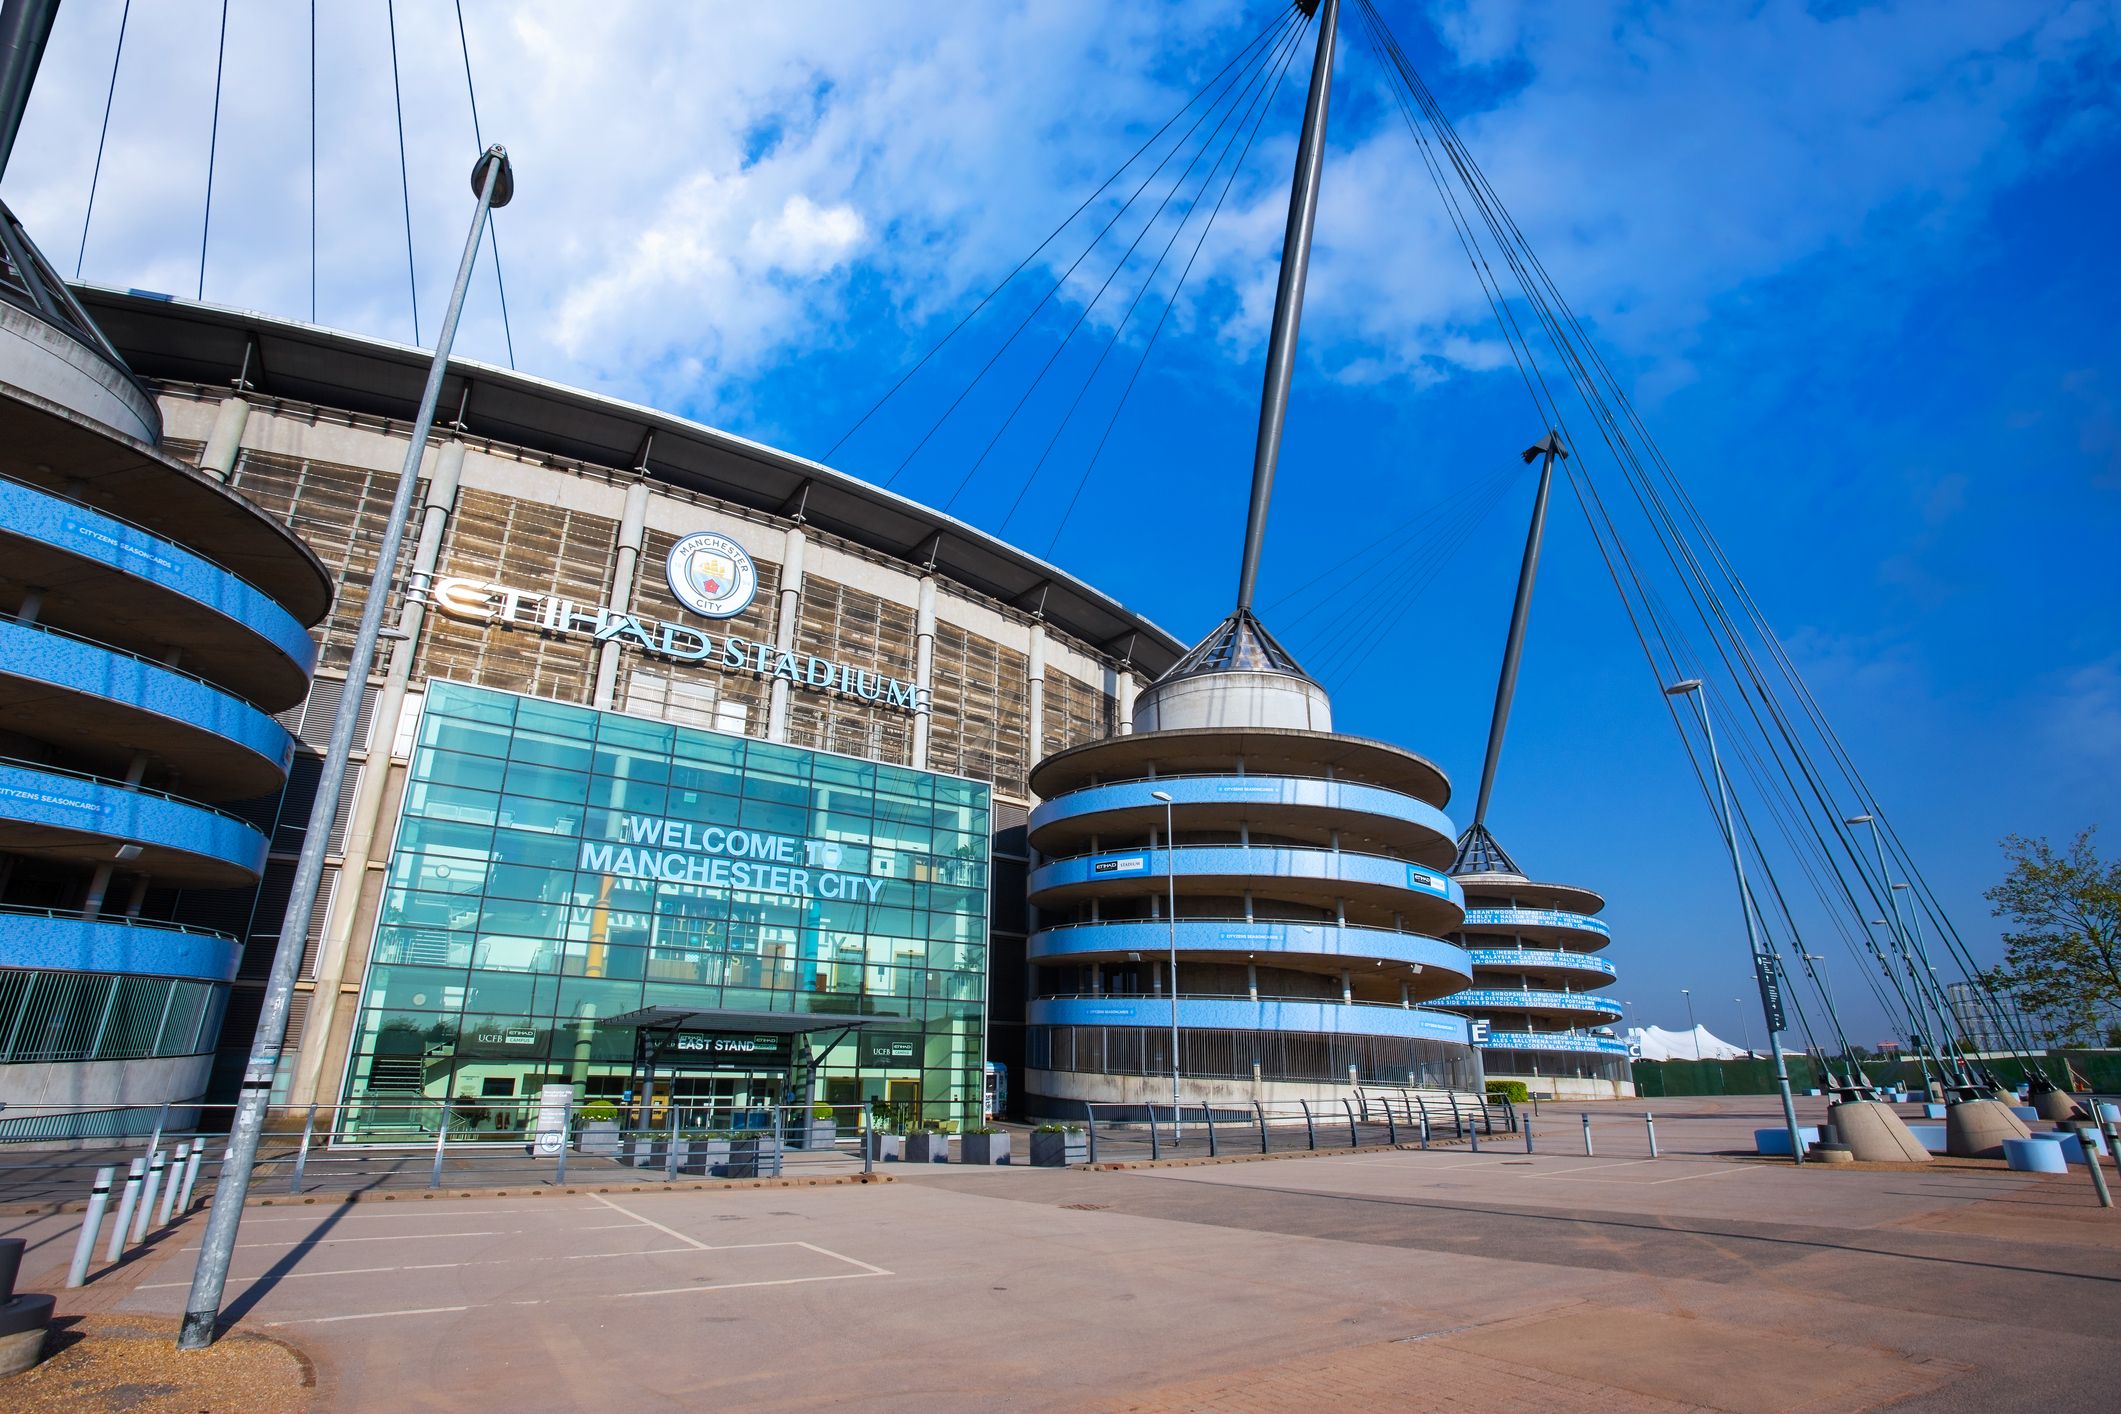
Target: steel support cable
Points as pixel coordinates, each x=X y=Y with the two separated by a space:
x=312 y=160
x=213 y=144
x=1585 y=385
x=1263 y=102
x=1286 y=19
x=1082 y=481
x=1619 y=397
x=1358 y=635
x=1391 y=541
x=1059 y=284
x=493 y=235
x=1359 y=652
x=397 y=97
x=96 y=173
x=1240 y=108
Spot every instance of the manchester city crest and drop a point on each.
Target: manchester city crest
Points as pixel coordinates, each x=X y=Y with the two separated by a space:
x=712 y=575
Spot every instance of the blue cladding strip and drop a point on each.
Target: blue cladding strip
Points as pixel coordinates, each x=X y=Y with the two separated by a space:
x=1535 y=918
x=1552 y=1041
x=129 y=817
x=93 y=671
x=1243 y=1014
x=1256 y=862
x=1540 y=958
x=114 y=946
x=1511 y=997
x=1234 y=935
x=79 y=531
x=1344 y=797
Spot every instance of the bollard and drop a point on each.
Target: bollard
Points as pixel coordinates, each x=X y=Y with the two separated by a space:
x=309 y=1130
x=1527 y=1134
x=191 y=1176
x=1649 y=1122
x=154 y=1140
x=1424 y=1129
x=91 y=1222
x=2093 y=1166
x=126 y=1201
x=1587 y=1137
x=146 y=1211
x=1474 y=1131
x=169 y=1189
x=434 y=1177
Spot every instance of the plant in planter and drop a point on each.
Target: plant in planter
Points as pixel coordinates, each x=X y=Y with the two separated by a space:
x=984 y=1145
x=928 y=1146
x=824 y=1131
x=597 y=1128
x=1057 y=1146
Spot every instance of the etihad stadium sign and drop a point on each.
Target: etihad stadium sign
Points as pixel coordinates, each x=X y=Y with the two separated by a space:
x=481 y=601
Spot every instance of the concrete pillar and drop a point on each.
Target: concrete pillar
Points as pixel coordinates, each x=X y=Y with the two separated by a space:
x=1406 y=996
x=923 y=670
x=31 y=606
x=1252 y=980
x=1347 y=986
x=1036 y=655
x=618 y=594
x=784 y=627
x=362 y=818
x=225 y=442
x=1123 y=703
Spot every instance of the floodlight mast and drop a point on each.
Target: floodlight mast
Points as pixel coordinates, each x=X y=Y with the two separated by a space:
x=494 y=183
x=1289 y=298
x=1550 y=450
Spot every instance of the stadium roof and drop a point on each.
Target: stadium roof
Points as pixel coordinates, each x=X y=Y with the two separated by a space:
x=181 y=341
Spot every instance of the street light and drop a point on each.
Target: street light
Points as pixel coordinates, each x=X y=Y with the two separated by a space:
x=1171 y=920
x=1692 y=1029
x=1763 y=963
x=493 y=182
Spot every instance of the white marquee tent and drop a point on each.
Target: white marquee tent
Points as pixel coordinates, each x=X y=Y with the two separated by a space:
x=1654 y=1043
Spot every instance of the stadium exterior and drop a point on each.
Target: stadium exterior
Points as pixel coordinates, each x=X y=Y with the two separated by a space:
x=157 y=621
x=1538 y=981
x=686 y=633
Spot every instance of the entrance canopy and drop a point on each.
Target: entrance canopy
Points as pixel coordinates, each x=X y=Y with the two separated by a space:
x=765 y=1023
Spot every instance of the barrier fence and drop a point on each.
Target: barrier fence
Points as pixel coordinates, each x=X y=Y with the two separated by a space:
x=1371 y=1118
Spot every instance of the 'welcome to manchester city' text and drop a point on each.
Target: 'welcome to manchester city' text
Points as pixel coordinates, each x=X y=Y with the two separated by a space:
x=715 y=856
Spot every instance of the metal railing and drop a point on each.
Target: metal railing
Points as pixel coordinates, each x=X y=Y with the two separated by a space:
x=1370 y=1118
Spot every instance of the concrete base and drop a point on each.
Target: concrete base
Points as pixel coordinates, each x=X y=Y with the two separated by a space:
x=1976 y=1129
x=2056 y=1104
x=24 y=1348
x=1777 y=1140
x=1874 y=1134
x=2034 y=1156
x=1832 y=1154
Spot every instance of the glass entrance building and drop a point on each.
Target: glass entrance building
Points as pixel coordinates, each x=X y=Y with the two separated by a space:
x=558 y=868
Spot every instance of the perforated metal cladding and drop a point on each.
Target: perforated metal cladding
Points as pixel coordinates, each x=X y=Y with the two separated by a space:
x=529 y=545
x=725 y=699
x=1076 y=712
x=851 y=626
x=339 y=511
x=982 y=700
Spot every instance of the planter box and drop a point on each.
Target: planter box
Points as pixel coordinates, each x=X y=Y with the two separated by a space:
x=1057 y=1151
x=742 y=1160
x=703 y=1156
x=925 y=1147
x=818 y=1135
x=598 y=1136
x=886 y=1148
x=983 y=1149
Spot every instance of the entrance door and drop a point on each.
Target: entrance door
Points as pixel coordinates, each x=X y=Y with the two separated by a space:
x=904 y=1097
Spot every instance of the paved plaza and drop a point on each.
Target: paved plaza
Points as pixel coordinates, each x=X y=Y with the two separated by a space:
x=1446 y=1279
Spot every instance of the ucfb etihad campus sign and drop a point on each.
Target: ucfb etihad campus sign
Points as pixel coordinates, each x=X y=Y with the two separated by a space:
x=711 y=575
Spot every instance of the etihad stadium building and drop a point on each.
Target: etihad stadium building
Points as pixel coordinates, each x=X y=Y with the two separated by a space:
x=672 y=725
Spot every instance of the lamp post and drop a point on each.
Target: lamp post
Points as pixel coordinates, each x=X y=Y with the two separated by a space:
x=493 y=181
x=1763 y=963
x=1171 y=933
x=1692 y=1029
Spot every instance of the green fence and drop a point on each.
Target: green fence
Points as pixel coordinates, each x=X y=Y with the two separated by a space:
x=2102 y=1069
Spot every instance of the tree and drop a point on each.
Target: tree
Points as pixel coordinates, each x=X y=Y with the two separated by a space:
x=2062 y=958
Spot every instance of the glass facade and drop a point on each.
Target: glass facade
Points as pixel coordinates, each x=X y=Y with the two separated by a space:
x=557 y=866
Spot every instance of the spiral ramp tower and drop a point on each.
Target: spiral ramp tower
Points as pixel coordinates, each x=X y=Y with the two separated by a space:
x=1312 y=900
x=154 y=623
x=1537 y=998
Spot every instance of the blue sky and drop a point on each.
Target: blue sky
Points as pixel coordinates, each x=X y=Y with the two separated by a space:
x=1853 y=262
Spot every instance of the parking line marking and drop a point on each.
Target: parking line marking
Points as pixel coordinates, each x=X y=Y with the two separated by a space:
x=733 y=1285
x=604 y=1296
x=446 y=1266
x=651 y=1222
x=388 y=1237
x=371 y=1315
